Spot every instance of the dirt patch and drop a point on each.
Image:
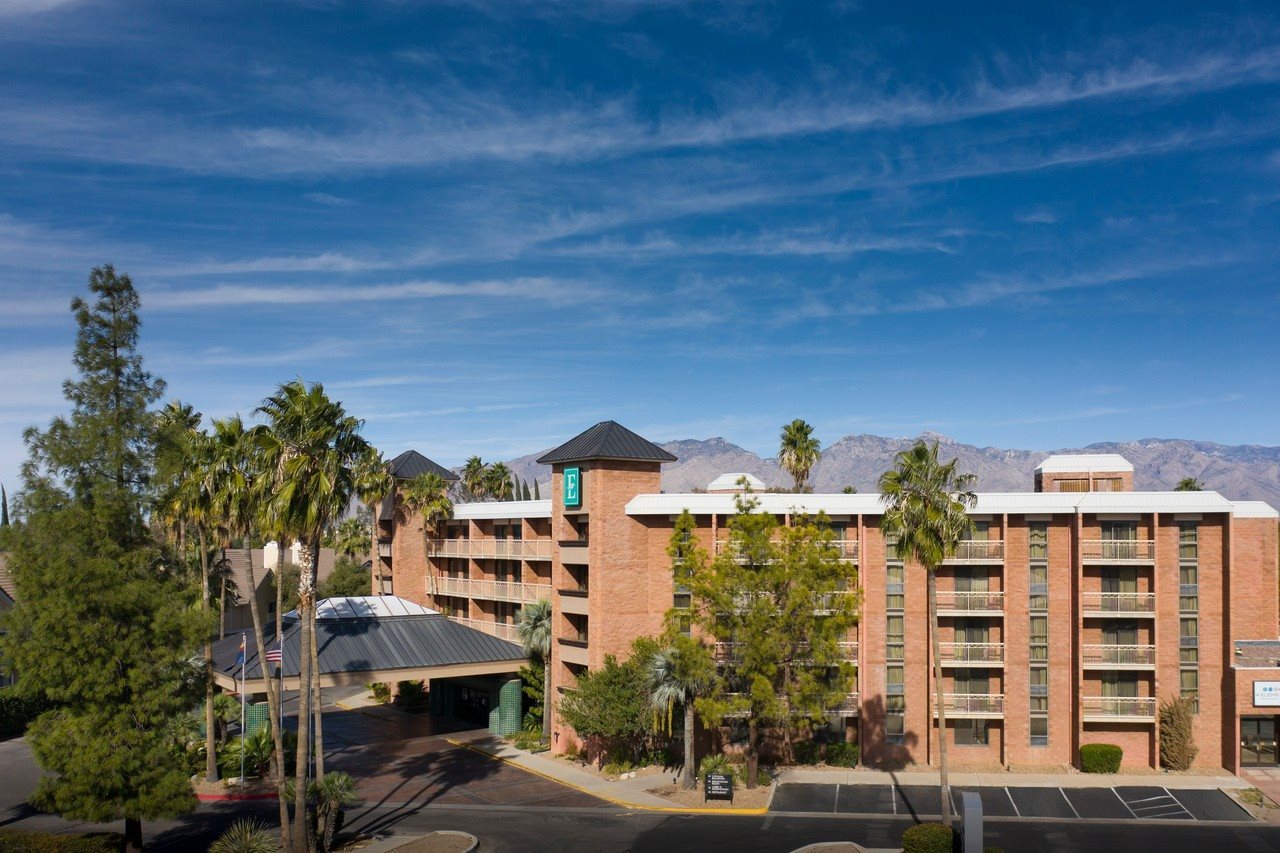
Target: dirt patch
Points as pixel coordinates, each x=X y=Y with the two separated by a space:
x=252 y=789
x=439 y=842
x=743 y=798
x=594 y=770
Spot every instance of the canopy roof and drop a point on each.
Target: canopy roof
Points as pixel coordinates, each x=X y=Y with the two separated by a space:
x=607 y=440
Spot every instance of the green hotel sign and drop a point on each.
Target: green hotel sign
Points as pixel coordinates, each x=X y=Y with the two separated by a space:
x=572 y=487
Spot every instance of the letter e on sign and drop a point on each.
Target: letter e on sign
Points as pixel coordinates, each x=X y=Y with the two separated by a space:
x=572 y=487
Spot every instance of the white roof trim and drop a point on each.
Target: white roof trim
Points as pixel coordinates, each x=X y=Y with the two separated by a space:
x=1072 y=463
x=730 y=481
x=503 y=509
x=1253 y=509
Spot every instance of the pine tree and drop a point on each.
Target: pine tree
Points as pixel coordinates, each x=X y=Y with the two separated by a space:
x=102 y=626
x=537 y=496
x=4 y=507
x=524 y=494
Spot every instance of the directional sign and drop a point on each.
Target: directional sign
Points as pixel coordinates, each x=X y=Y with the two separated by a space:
x=573 y=487
x=717 y=786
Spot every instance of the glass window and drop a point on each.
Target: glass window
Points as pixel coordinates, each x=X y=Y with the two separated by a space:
x=980 y=530
x=971 y=732
x=1039 y=730
x=1039 y=537
x=894 y=640
x=1189 y=630
x=893 y=680
x=1188 y=540
x=1039 y=637
x=894 y=727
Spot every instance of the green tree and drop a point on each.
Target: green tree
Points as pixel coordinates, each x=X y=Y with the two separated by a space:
x=679 y=674
x=347 y=579
x=533 y=624
x=349 y=537
x=427 y=497
x=1189 y=484
x=926 y=512
x=534 y=681
x=4 y=507
x=123 y=678
x=313 y=451
x=783 y=601
x=537 y=493
x=525 y=494
x=498 y=482
x=473 y=477
x=373 y=483
x=798 y=452
x=613 y=703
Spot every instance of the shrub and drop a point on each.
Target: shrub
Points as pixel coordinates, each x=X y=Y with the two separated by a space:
x=1177 y=739
x=715 y=764
x=842 y=754
x=22 y=841
x=1100 y=758
x=572 y=750
x=529 y=740
x=17 y=710
x=928 y=838
x=381 y=692
x=245 y=836
x=806 y=752
x=411 y=696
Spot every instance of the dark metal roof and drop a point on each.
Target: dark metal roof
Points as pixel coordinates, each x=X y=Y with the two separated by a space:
x=371 y=644
x=607 y=440
x=412 y=464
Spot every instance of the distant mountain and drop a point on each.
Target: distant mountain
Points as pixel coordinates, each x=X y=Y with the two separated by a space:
x=1240 y=472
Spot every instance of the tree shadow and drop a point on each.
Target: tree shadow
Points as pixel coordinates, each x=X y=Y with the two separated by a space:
x=884 y=755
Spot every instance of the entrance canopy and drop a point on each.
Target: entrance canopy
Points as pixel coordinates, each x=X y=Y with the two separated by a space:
x=358 y=641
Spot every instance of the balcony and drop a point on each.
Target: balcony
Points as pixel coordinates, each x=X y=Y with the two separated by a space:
x=727 y=652
x=954 y=603
x=976 y=552
x=384 y=548
x=849 y=706
x=574 y=650
x=971 y=654
x=501 y=630
x=846 y=549
x=1109 y=604
x=1119 y=709
x=491 y=549
x=1119 y=657
x=574 y=600
x=972 y=706
x=1118 y=552
x=493 y=590
x=574 y=552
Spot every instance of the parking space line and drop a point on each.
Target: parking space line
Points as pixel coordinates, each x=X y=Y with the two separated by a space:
x=1069 y=803
x=1179 y=804
x=835 y=807
x=1123 y=803
x=893 y=798
x=1011 y=802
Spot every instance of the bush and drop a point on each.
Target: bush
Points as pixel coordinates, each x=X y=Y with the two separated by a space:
x=1100 y=758
x=245 y=836
x=842 y=754
x=928 y=838
x=17 y=710
x=716 y=764
x=381 y=692
x=529 y=740
x=21 y=841
x=411 y=696
x=1177 y=738
x=807 y=752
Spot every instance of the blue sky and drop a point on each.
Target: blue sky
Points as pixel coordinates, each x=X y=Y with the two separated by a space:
x=487 y=224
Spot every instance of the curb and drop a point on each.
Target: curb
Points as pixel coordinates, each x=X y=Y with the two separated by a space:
x=618 y=802
x=222 y=798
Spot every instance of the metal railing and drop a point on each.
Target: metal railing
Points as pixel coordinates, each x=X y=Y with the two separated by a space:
x=978 y=551
x=972 y=703
x=1117 y=655
x=974 y=653
x=496 y=549
x=1118 y=602
x=1119 y=707
x=1118 y=550
x=493 y=590
x=970 y=601
x=727 y=651
x=501 y=630
x=846 y=549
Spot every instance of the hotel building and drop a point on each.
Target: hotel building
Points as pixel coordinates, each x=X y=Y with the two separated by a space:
x=1066 y=617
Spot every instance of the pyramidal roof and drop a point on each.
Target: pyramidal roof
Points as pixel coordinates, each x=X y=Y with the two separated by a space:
x=412 y=464
x=607 y=440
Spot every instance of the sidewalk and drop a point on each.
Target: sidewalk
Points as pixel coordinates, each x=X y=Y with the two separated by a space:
x=861 y=776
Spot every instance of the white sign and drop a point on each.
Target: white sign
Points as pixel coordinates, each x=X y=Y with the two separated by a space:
x=1266 y=694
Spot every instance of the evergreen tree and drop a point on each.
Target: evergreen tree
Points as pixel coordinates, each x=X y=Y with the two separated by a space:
x=524 y=494
x=102 y=626
x=537 y=495
x=4 y=507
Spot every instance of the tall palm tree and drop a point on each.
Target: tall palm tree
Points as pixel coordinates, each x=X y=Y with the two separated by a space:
x=1189 y=484
x=312 y=451
x=473 y=477
x=236 y=481
x=798 y=452
x=427 y=496
x=678 y=675
x=926 y=504
x=533 y=624
x=373 y=483
x=349 y=538
x=498 y=482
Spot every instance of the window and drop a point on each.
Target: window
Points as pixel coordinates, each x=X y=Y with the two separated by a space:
x=893 y=680
x=894 y=726
x=1189 y=684
x=1039 y=638
x=1188 y=632
x=894 y=640
x=971 y=732
x=1126 y=531
x=1115 y=633
x=1039 y=730
x=1188 y=587
x=1039 y=579
x=1039 y=539
x=980 y=530
x=1073 y=485
x=894 y=598
x=1119 y=685
x=1188 y=541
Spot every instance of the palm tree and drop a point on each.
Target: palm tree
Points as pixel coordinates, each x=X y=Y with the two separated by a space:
x=1189 y=484
x=427 y=495
x=236 y=480
x=926 y=505
x=533 y=624
x=498 y=482
x=798 y=452
x=331 y=795
x=312 y=450
x=473 y=477
x=373 y=483
x=678 y=675
x=349 y=537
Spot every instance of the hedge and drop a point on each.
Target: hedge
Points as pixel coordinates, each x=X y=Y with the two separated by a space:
x=18 y=710
x=1100 y=758
x=928 y=838
x=21 y=841
x=807 y=752
x=842 y=754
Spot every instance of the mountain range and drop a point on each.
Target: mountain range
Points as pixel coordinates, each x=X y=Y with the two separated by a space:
x=1238 y=472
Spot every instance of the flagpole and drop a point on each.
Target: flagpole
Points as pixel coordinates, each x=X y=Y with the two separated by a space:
x=244 y=735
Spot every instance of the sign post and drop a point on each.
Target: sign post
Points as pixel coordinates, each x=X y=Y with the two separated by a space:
x=717 y=786
x=572 y=487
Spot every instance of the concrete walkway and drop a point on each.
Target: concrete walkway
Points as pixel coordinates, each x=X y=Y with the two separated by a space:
x=860 y=776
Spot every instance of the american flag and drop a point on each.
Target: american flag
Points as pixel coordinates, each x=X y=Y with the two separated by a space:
x=240 y=655
x=274 y=654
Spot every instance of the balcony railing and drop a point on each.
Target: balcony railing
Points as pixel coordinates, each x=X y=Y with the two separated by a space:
x=971 y=705
x=846 y=549
x=849 y=705
x=726 y=652
x=951 y=601
x=493 y=590
x=1119 y=657
x=978 y=551
x=492 y=549
x=501 y=630
x=1109 y=708
x=1118 y=550
x=1118 y=603
x=972 y=654
x=384 y=548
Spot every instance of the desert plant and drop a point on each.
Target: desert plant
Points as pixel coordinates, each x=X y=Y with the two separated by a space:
x=1177 y=737
x=1100 y=758
x=381 y=692
x=331 y=797
x=245 y=836
x=257 y=749
x=411 y=696
x=928 y=838
x=715 y=763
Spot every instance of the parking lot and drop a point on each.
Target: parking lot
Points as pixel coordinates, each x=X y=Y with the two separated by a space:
x=1143 y=802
